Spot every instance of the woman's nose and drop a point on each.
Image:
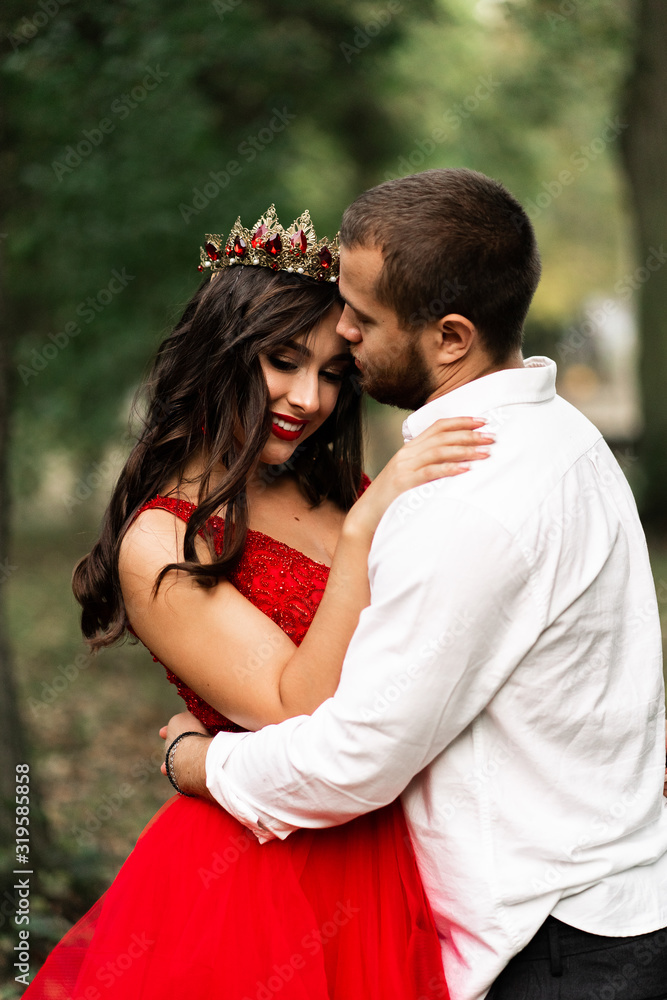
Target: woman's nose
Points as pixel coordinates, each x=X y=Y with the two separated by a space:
x=305 y=393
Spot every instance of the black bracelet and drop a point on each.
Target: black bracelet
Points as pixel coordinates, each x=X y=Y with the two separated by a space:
x=169 y=762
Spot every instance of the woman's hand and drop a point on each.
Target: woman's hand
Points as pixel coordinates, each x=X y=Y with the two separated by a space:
x=443 y=449
x=184 y=722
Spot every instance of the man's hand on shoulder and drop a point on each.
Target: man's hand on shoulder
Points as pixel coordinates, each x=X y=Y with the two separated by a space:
x=188 y=758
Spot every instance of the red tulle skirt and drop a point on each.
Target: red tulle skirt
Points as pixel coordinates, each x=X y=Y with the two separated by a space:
x=201 y=910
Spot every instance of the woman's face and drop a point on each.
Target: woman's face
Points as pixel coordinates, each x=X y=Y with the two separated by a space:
x=303 y=377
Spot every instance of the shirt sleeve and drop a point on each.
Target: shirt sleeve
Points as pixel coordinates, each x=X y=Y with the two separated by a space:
x=452 y=613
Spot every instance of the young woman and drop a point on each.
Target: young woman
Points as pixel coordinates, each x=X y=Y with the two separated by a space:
x=235 y=547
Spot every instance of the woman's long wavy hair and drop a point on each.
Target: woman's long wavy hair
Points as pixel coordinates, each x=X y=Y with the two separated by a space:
x=207 y=376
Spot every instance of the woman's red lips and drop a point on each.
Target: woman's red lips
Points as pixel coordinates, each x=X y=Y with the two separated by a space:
x=292 y=431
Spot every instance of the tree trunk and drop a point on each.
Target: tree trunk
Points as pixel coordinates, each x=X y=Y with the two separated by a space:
x=645 y=154
x=14 y=748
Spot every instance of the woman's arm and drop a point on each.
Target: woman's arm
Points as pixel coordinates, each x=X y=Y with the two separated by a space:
x=312 y=674
x=230 y=653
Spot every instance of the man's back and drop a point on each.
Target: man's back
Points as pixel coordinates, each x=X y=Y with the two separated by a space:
x=551 y=789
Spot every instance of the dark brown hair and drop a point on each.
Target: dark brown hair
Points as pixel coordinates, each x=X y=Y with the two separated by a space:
x=207 y=374
x=453 y=241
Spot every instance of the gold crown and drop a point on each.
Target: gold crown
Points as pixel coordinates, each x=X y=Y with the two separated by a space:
x=296 y=249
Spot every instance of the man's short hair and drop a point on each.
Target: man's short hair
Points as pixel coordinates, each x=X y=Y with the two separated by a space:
x=453 y=241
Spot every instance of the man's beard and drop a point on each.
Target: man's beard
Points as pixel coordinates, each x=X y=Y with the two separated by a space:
x=405 y=381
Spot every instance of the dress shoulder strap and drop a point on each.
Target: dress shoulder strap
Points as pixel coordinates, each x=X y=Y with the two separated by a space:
x=180 y=508
x=364 y=484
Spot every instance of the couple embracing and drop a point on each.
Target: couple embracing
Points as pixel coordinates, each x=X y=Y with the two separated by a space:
x=431 y=707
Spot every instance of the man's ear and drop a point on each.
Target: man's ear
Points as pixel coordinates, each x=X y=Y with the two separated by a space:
x=456 y=335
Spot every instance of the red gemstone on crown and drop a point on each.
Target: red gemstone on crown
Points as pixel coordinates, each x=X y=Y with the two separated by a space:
x=240 y=246
x=201 y=267
x=257 y=236
x=325 y=257
x=212 y=251
x=299 y=241
x=228 y=250
x=274 y=245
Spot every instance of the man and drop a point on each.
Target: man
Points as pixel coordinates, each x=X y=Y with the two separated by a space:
x=506 y=679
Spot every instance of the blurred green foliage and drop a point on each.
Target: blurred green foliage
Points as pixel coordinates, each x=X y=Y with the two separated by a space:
x=109 y=176
x=121 y=125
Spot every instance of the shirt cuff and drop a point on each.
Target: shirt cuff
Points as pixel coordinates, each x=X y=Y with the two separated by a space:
x=264 y=827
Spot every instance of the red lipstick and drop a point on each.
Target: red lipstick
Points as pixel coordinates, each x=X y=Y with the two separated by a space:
x=290 y=433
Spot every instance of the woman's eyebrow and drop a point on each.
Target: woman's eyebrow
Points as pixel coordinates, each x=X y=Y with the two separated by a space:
x=299 y=348
x=306 y=351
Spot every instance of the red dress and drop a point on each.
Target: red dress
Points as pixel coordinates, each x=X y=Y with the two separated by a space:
x=200 y=910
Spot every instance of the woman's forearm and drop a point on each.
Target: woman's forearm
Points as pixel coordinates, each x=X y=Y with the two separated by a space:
x=312 y=674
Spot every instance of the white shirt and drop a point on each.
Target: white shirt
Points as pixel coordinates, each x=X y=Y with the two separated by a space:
x=506 y=680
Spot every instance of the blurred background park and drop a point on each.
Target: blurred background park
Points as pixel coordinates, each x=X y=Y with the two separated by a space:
x=129 y=129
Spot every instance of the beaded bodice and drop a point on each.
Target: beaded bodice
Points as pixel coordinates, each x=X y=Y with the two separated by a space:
x=282 y=582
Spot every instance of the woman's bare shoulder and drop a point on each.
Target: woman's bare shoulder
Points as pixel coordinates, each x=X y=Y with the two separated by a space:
x=154 y=537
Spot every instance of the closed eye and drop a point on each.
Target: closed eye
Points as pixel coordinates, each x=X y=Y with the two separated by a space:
x=359 y=316
x=339 y=374
x=282 y=364
x=335 y=376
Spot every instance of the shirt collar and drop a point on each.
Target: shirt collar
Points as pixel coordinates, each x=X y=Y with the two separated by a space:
x=534 y=383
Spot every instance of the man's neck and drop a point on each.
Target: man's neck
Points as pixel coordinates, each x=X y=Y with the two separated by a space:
x=454 y=376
